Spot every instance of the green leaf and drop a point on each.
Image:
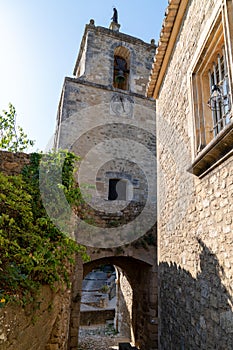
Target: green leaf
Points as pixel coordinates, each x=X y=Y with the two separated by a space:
x=9 y=138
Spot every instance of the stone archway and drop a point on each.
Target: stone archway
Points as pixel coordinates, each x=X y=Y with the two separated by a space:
x=140 y=275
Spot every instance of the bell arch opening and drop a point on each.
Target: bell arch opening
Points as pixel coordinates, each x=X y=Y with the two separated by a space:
x=121 y=68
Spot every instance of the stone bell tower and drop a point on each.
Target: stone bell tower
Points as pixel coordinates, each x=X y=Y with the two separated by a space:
x=106 y=119
x=105 y=101
x=98 y=59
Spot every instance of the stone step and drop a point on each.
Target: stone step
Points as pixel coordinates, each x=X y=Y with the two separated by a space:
x=126 y=346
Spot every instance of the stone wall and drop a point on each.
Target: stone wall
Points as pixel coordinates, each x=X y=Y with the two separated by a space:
x=42 y=325
x=195 y=214
x=87 y=108
x=124 y=307
x=90 y=318
x=13 y=163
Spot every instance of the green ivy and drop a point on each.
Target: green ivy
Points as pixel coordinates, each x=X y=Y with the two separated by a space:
x=33 y=251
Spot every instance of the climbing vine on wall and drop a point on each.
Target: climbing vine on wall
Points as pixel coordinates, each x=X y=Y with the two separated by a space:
x=33 y=251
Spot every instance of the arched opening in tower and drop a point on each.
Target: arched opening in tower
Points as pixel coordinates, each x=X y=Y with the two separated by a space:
x=121 y=69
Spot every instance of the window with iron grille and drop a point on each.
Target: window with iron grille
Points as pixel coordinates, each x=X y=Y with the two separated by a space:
x=211 y=92
x=220 y=105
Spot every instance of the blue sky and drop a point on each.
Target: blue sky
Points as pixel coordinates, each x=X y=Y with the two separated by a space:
x=39 y=43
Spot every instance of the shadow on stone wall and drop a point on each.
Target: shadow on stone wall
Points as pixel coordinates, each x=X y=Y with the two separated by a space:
x=195 y=313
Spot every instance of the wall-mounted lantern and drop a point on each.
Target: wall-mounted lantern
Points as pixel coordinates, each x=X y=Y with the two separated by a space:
x=216 y=100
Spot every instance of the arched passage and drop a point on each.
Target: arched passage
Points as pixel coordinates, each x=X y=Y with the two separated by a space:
x=139 y=275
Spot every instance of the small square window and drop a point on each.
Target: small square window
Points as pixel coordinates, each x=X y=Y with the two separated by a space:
x=117 y=189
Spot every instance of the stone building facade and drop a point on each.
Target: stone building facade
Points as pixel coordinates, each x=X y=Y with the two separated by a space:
x=106 y=119
x=192 y=83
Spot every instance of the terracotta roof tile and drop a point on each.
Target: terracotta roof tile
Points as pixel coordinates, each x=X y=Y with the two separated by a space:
x=165 y=35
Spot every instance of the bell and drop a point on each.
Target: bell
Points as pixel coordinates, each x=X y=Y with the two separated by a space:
x=120 y=78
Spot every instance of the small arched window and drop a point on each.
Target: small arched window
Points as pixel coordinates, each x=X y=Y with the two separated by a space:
x=121 y=68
